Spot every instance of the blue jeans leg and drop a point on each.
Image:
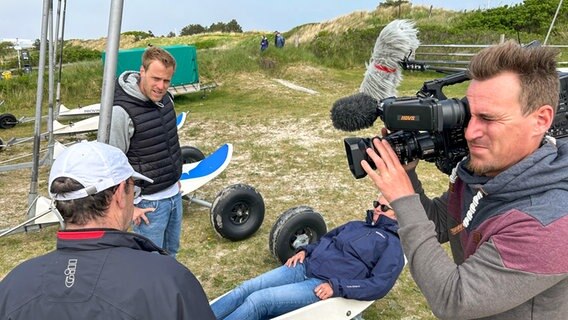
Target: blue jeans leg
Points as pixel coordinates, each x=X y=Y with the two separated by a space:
x=165 y=223
x=271 y=294
x=173 y=230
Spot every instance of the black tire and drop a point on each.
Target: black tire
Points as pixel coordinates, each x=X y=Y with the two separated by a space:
x=7 y=121
x=237 y=212
x=191 y=154
x=295 y=227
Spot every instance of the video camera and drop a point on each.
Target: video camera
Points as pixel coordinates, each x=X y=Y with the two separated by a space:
x=431 y=127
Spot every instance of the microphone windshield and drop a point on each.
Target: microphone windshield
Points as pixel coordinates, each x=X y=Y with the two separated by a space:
x=354 y=112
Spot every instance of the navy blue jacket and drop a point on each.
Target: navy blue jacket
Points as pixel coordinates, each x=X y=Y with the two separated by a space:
x=360 y=260
x=103 y=274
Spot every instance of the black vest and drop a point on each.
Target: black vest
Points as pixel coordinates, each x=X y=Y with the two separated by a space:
x=154 y=148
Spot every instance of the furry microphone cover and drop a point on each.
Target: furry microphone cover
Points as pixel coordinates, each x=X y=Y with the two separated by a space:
x=397 y=40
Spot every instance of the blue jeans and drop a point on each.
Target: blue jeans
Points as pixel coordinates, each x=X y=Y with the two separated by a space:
x=269 y=295
x=165 y=223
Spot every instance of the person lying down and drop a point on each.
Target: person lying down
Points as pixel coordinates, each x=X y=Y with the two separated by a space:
x=358 y=260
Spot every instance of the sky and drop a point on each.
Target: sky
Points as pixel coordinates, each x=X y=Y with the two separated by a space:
x=88 y=19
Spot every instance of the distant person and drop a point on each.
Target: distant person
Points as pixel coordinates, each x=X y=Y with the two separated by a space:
x=263 y=43
x=279 y=40
x=276 y=38
x=98 y=270
x=358 y=260
x=144 y=127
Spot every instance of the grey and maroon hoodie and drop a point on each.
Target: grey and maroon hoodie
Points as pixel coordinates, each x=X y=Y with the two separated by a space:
x=511 y=261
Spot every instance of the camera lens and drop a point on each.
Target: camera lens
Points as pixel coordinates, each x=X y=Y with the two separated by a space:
x=407 y=146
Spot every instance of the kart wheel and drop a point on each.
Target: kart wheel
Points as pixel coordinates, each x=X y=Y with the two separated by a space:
x=8 y=121
x=237 y=212
x=296 y=227
x=191 y=154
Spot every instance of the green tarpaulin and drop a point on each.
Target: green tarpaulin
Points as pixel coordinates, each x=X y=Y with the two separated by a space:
x=186 y=63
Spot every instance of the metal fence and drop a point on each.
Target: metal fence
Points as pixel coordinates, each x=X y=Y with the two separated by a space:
x=457 y=56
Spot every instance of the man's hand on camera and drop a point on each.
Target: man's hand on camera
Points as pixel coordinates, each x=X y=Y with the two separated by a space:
x=298 y=257
x=390 y=177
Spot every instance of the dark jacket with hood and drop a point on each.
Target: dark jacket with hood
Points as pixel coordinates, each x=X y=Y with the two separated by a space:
x=103 y=274
x=511 y=261
x=359 y=259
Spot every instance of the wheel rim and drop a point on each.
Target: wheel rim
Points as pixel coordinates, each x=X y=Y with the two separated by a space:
x=240 y=213
x=302 y=237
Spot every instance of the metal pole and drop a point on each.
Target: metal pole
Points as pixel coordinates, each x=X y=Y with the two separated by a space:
x=57 y=29
x=58 y=88
x=61 y=54
x=19 y=62
x=552 y=24
x=111 y=58
x=39 y=99
x=51 y=87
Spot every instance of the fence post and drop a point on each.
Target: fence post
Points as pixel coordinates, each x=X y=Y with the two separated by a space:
x=502 y=38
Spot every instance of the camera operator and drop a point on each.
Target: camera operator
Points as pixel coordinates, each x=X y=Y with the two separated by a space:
x=506 y=211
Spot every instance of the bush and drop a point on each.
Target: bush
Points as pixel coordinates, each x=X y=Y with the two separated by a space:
x=346 y=50
x=139 y=35
x=75 y=54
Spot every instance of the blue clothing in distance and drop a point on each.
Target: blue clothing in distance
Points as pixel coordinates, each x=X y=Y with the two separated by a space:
x=263 y=44
x=279 y=41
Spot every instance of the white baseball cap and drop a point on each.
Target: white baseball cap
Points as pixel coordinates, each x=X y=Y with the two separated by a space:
x=95 y=165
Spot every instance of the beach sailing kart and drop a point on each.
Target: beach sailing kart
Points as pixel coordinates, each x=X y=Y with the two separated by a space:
x=238 y=210
x=236 y=213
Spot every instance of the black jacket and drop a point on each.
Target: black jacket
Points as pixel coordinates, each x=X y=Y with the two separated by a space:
x=103 y=274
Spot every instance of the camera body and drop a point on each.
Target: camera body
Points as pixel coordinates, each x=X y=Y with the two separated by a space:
x=431 y=127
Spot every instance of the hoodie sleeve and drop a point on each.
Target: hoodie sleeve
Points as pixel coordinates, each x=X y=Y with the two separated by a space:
x=382 y=277
x=435 y=208
x=483 y=285
x=121 y=129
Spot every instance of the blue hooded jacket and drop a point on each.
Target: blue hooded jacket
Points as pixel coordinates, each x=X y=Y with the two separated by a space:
x=360 y=260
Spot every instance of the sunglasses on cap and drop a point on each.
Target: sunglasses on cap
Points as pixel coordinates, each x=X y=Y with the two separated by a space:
x=383 y=207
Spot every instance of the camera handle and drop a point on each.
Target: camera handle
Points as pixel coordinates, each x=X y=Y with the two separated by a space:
x=433 y=88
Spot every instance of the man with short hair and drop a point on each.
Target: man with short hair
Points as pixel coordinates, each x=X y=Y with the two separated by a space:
x=144 y=128
x=100 y=271
x=506 y=211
